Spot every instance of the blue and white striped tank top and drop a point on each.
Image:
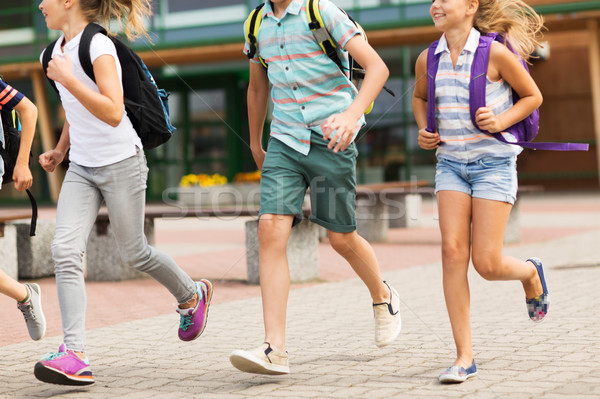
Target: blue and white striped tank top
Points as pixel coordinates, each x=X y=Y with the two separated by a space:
x=461 y=140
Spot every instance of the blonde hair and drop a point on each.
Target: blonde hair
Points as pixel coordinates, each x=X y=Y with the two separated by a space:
x=514 y=20
x=133 y=11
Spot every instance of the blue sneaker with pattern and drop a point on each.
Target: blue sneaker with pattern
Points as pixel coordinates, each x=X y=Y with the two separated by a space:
x=538 y=307
x=456 y=374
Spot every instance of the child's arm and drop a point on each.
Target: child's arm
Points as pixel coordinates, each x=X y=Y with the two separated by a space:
x=427 y=140
x=50 y=159
x=504 y=65
x=258 y=96
x=376 y=74
x=106 y=105
x=22 y=174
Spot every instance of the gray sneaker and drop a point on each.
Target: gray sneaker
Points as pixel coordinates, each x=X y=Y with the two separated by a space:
x=262 y=360
x=32 y=312
x=387 y=319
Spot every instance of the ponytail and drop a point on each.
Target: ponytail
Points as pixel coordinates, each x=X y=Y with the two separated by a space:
x=513 y=19
x=133 y=11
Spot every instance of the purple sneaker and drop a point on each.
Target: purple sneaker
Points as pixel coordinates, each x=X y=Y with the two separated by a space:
x=193 y=320
x=64 y=368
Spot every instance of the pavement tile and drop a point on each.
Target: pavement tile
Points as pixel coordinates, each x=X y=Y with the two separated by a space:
x=136 y=353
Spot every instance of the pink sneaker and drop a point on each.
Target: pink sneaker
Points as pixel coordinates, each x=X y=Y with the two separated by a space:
x=64 y=368
x=193 y=320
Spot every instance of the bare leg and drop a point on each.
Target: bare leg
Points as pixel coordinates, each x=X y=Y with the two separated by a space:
x=273 y=235
x=12 y=288
x=359 y=253
x=455 y=225
x=489 y=222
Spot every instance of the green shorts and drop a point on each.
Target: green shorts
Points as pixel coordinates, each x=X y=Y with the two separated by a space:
x=287 y=174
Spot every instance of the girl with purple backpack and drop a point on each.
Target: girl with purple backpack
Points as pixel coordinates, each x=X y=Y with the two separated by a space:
x=476 y=176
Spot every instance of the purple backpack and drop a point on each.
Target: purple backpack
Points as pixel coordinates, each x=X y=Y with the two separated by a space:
x=524 y=131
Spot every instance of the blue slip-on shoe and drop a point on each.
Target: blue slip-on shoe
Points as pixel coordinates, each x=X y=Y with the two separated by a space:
x=456 y=374
x=538 y=307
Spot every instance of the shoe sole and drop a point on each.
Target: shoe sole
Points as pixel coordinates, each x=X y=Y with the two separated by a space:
x=209 y=294
x=38 y=305
x=52 y=376
x=450 y=379
x=245 y=362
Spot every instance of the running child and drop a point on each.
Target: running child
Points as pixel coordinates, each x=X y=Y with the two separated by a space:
x=476 y=175
x=107 y=164
x=28 y=295
x=316 y=116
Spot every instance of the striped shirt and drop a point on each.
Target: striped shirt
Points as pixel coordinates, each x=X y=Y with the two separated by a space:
x=9 y=98
x=307 y=87
x=461 y=140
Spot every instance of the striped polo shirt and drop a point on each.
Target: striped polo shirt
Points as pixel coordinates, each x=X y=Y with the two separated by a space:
x=461 y=140
x=9 y=98
x=307 y=87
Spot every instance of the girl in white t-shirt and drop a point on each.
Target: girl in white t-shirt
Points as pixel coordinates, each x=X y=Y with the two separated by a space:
x=107 y=164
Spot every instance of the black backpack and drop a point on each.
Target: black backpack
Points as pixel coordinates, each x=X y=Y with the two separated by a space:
x=147 y=106
x=11 y=125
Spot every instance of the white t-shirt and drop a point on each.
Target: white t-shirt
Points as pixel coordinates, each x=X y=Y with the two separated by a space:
x=94 y=143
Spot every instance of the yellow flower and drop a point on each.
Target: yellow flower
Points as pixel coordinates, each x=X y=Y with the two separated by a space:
x=244 y=177
x=202 y=180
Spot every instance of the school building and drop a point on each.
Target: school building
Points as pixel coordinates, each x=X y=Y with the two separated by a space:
x=197 y=56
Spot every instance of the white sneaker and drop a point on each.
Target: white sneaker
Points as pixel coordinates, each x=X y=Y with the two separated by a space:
x=387 y=319
x=262 y=360
x=32 y=312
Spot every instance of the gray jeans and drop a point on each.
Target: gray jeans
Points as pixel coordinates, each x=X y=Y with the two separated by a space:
x=122 y=186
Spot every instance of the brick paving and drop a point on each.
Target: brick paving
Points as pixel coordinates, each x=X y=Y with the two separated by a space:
x=134 y=350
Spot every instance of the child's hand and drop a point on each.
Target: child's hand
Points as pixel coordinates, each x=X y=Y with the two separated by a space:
x=60 y=68
x=22 y=177
x=50 y=160
x=344 y=127
x=487 y=120
x=428 y=140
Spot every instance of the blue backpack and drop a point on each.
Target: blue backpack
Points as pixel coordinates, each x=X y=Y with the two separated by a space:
x=147 y=106
x=524 y=131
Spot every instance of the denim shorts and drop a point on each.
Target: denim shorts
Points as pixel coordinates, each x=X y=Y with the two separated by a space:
x=331 y=177
x=488 y=178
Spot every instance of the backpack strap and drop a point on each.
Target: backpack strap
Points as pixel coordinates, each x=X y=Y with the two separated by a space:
x=46 y=59
x=433 y=61
x=84 y=48
x=34 y=213
x=478 y=81
x=84 y=52
x=252 y=26
x=320 y=32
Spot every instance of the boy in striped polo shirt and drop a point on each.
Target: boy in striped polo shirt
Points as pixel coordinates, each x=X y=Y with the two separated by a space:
x=317 y=113
x=28 y=296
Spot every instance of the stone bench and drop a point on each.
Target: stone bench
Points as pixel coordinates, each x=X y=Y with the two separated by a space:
x=103 y=261
x=512 y=234
x=391 y=204
x=34 y=254
x=8 y=241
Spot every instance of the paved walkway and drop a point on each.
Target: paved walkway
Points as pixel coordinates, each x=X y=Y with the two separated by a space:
x=330 y=327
